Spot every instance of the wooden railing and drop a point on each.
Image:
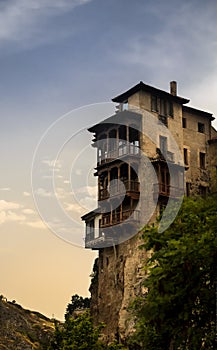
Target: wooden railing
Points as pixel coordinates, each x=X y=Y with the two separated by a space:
x=119 y=152
x=118 y=217
x=117 y=189
x=167 y=190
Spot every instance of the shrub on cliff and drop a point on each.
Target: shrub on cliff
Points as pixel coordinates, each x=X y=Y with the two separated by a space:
x=79 y=333
x=179 y=310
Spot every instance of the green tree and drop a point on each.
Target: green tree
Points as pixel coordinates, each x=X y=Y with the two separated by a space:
x=77 y=333
x=77 y=303
x=179 y=309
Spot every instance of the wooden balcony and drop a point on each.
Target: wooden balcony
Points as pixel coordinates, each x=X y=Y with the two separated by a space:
x=95 y=243
x=169 y=156
x=167 y=190
x=115 y=218
x=131 y=186
x=122 y=151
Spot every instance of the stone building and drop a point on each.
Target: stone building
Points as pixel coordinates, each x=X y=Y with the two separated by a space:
x=154 y=149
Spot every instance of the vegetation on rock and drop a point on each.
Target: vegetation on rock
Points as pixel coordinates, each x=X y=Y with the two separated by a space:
x=179 y=309
x=78 y=331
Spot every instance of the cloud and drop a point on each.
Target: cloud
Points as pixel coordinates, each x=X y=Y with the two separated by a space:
x=43 y=192
x=176 y=45
x=28 y=211
x=66 y=182
x=10 y=216
x=4 y=205
x=91 y=190
x=54 y=163
x=14 y=212
x=26 y=194
x=23 y=20
x=36 y=224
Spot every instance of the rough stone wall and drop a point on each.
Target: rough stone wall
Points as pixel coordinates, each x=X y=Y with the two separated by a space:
x=120 y=273
x=213 y=165
x=196 y=142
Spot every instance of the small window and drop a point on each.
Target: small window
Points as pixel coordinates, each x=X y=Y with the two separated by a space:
x=163 y=145
x=184 y=123
x=188 y=189
x=170 y=109
x=154 y=103
x=185 y=154
x=202 y=191
x=125 y=106
x=202 y=160
x=201 y=127
x=163 y=107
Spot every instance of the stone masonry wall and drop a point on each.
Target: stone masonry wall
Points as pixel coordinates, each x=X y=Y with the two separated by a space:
x=120 y=273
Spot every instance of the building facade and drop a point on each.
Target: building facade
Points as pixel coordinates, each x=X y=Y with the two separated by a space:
x=154 y=149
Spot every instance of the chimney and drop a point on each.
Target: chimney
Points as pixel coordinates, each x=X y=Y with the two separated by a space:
x=173 y=88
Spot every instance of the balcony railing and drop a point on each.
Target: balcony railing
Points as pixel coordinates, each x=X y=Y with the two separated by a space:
x=91 y=242
x=117 y=189
x=119 y=217
x=119 y=152
x=163 y=119
x=168 y=156
x=167 y=190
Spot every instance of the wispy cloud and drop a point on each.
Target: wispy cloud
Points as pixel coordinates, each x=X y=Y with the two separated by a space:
x=26 y=194
x=90 y=190
x=5 y=205
x=42 y=192
x=176 y=45
x=10 y=212
x=28 y=211
x=36 y=224
x=16 y=213
x=24 y=20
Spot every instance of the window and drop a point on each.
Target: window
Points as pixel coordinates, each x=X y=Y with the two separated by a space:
x=163 y=145
x=184 y=123
x=154 y=103
x=201 y=127
x=188 y=189
x=185 y=154
x=202 y=160
x=163 y=107
x=202 y=191
x=90 y=228
x=125 y=106
x=170 y=109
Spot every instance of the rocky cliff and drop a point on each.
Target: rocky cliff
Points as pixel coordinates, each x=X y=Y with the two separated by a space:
x=21 y=329
x=117 y=279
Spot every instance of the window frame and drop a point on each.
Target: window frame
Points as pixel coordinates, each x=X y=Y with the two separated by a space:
x=186 y=156
x=202 y=160
x=201 y=127
x=184 y=123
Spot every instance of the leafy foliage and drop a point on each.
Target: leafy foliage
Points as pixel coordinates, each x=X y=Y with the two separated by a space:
x=78 y=331
x=77 y=303
x=179 y=310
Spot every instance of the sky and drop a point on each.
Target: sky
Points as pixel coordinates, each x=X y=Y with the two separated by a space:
x=61 y=62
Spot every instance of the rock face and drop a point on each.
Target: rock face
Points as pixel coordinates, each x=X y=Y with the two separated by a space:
x=22 y=329
x=117 y=281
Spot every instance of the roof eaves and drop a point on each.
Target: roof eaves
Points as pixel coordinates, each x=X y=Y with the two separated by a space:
x=144 y=87
x=198 y=111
